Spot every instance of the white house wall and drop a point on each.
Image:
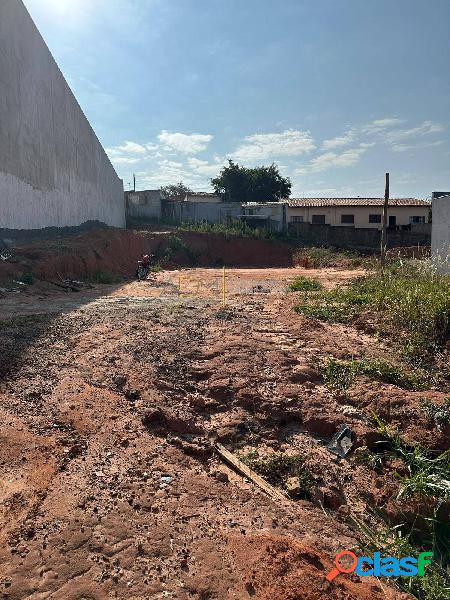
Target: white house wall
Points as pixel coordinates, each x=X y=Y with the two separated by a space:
x=53 y=170
x=361 y=214
x=440 y=232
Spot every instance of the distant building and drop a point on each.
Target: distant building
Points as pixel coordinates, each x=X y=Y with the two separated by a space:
x=403 y=213
x=440 y=230
x=145 y=204
x=271 y=215
x=203 y=197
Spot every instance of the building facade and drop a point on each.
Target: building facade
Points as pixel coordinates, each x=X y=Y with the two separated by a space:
x=364 y=213
x=145 y=204
x=53 y=170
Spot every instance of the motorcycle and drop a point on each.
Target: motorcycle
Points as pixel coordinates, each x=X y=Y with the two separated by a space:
x=143 y=268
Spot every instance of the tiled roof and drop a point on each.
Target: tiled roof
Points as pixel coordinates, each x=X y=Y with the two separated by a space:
x=300 y=202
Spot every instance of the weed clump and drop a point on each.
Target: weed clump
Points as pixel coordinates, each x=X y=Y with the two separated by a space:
x=439 y=413
x=305 y=284
x=278 y=467
x=408 y=301
x=340 y=374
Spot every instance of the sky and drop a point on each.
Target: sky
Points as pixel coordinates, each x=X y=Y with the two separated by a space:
x=335 y=92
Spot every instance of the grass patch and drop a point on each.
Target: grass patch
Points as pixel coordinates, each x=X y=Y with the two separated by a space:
x=392 y=541
x=340 y=374
x=232 y=228
x=410 y=301
x=425 y=476
x=439 y=413
x=320 y=257
x=305 y=284
x=277 y=468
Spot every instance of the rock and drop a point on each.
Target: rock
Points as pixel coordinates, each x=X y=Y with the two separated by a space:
x=293 y=487
x=221 y=476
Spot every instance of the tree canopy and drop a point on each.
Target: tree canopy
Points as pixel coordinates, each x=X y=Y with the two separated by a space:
x=259 y=184
x=175 y=191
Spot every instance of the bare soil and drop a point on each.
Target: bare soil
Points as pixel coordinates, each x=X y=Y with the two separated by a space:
x=112 y=401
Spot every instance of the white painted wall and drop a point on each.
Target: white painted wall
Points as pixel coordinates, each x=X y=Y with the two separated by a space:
x=440 y=233
x=361 y=214
x=53 y=169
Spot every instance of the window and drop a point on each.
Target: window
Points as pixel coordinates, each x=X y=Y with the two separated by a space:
x=348 y=219
x=297 y=219
x=250 y=211
x=374 y=218
x=318 y=220
x=416 y=220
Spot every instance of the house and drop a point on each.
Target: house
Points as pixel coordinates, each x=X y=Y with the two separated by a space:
x=145 y=204
x=206 y=197
x=403 y=213
x=53 y=170
x=271 y=215
x=440 y=230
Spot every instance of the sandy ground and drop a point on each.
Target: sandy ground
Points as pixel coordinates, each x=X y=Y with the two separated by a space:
x=112 y=402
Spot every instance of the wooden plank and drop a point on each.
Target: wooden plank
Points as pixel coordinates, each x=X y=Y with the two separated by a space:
x=244 y=470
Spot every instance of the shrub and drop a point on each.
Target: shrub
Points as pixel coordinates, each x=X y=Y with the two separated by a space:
x=305 y=284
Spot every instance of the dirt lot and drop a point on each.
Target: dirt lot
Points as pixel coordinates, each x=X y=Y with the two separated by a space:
x=112 y=402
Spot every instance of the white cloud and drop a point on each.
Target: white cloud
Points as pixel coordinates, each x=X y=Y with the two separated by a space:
x=328 y=160
x=186 y=144
x=262 y=146
x=127 y=148
x=342 y=140
x=418 y=146
x=380 y=125
x=426 y=128
x=203 y=167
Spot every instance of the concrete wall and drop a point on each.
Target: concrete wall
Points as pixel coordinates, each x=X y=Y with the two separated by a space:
x=195 y=212
x=361 y=214
x=440 y=232
x=354 y=238
x=53 y=170
x=143 y=205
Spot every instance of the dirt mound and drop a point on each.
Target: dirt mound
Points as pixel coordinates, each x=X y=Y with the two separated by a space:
x=116 y=251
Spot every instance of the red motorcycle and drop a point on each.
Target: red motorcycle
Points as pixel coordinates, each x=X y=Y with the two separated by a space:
x=143 y=267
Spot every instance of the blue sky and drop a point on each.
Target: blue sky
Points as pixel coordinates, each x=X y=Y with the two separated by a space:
x=336 y=92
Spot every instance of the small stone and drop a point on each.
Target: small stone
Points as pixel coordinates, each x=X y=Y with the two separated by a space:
x=221 y=476
x=293 y=487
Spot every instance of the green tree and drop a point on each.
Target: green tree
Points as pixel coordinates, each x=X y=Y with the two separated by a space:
x=176 y=191
x=259 y=184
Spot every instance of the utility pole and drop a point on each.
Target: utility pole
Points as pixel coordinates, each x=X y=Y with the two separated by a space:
x=134 y=182
x=385 y=215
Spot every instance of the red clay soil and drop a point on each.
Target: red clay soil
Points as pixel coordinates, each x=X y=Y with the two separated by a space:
x=112 y=401
x=116 y=251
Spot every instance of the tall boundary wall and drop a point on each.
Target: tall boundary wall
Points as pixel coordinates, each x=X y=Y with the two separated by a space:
x=440 y=233
x=53 y=170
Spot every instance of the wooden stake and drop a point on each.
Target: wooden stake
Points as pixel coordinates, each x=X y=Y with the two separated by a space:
x=223 y=288
x=385 y=215
x=242 y=469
